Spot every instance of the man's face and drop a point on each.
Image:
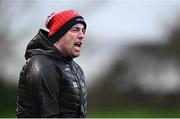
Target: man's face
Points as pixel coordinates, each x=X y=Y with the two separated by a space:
x=70 y=44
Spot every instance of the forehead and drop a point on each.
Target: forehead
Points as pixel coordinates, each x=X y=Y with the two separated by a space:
x=78 y=25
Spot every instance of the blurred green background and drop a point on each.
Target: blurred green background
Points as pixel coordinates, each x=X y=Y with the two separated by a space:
x=131 y=57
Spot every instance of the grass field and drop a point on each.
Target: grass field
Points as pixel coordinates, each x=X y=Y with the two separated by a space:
x=136 y=113
x=119 y=113
x=7 y=114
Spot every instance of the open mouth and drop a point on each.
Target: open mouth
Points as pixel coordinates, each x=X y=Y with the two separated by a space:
x=78 y=44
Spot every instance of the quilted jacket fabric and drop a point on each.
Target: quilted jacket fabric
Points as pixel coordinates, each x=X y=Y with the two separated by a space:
x=50 y=85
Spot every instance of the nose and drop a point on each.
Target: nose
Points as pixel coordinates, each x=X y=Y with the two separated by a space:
x=81 y=35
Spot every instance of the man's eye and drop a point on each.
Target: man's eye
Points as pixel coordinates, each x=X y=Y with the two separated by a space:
x=84 y=31
x=74 y=29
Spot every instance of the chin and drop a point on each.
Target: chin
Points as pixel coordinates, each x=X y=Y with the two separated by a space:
x=76 y=55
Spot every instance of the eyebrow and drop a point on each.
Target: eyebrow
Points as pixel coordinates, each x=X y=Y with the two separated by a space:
x=77 y=27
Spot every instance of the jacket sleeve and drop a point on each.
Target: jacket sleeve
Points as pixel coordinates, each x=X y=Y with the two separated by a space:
x=43 y=83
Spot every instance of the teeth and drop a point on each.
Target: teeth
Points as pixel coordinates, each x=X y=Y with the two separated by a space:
x=79 y=44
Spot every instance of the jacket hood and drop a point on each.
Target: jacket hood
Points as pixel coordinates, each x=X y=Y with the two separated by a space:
x=40 y=45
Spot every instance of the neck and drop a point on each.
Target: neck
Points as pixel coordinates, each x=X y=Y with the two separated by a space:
x=67 y=58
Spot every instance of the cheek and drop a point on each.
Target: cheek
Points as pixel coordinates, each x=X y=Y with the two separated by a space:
x=68 y=41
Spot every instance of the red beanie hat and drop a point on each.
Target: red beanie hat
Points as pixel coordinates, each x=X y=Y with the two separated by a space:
x=59 y=23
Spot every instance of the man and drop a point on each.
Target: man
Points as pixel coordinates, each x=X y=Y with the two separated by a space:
x=51 y=84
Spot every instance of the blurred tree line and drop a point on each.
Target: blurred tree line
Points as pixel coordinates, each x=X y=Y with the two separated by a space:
x=7 y=91
x=8 y=99
x=146 y=76
x=10 y=14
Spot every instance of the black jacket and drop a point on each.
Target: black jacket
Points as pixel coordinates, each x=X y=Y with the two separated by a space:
x=50 y=85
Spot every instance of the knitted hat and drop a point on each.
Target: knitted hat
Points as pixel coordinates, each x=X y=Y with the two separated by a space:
x=59 y=23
